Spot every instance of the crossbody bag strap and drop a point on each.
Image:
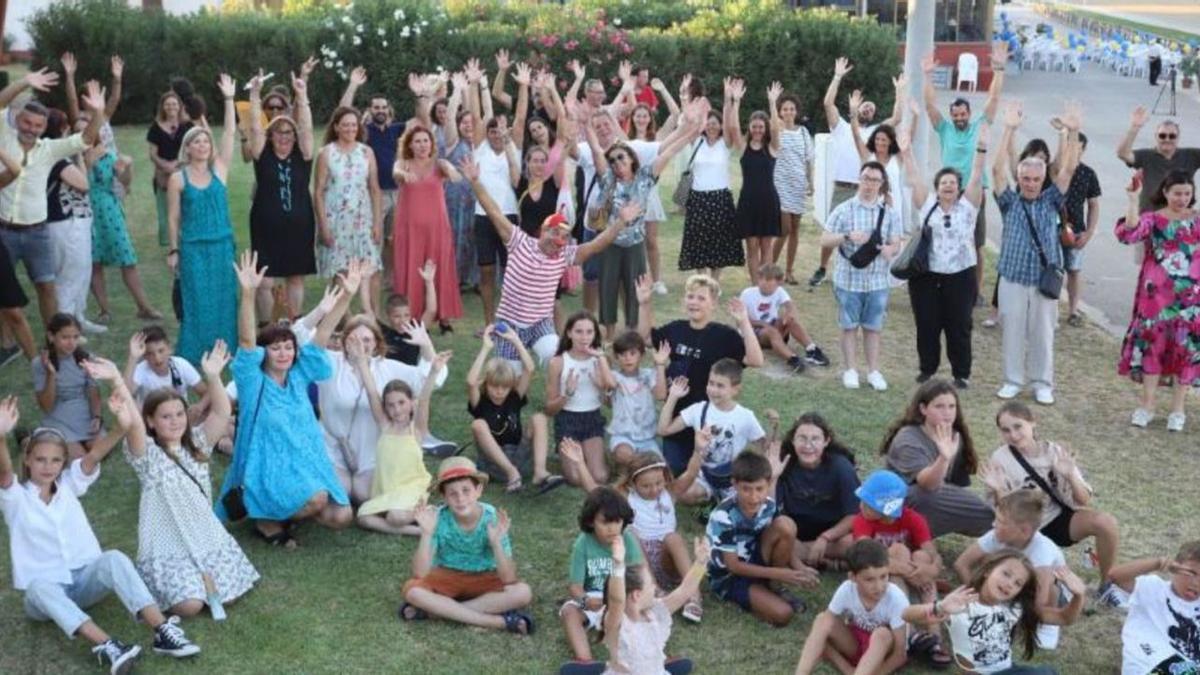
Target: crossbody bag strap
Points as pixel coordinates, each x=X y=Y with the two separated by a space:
x=1037 y=478
x=692 y=159
x=1037 y=243
x=187 y=473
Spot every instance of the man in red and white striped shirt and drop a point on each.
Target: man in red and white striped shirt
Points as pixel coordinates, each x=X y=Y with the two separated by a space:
x=535 y=267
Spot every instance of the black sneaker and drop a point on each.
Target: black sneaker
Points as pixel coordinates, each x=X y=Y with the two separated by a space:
x=962 y=383
x=816 y=278
x=816 y=357
x=7 y=354
x=118 y=655
x=922 y=378
x=169 y=640
x=796 y=364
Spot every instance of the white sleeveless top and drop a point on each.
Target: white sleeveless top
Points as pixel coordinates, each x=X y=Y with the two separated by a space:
x=710 y=170
x=653 y=519
x=587 y=394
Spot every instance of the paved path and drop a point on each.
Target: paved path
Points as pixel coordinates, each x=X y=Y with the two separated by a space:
x=1109 y=270
x=1182 y=15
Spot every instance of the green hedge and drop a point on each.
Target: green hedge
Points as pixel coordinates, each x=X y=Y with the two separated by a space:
x=760 y=40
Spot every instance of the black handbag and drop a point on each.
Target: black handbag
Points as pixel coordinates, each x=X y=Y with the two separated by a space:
x=684 y=187
x=864 y=255
x=913 y=261
x=1051 y=280
x=234 y=500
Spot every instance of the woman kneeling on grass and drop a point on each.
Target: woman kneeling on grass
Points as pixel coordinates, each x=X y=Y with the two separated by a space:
x=280 y=469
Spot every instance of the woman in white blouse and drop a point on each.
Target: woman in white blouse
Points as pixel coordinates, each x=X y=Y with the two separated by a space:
x=711 y=239
x=349 y=427
x=943 y=297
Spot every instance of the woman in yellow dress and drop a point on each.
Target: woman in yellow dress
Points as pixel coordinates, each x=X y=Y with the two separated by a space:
x=401 y=481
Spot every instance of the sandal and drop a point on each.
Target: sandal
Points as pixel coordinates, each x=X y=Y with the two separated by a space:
x=928 y=647
x=149 y=314
x=548 y=483
x=692 y=611
x=790 y=280
x=518 y=622
x=410 y=612
x=513 y=486
x=282 y=539
x=798 y=605
x=103 y=318
x=1075 y=320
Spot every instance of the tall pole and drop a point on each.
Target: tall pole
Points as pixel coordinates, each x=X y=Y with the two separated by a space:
x=918 y=43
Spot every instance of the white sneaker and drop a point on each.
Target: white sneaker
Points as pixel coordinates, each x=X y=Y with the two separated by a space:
x=659 y=288
x=850 y=379
x=89 y=327
x=1008 y=391
x=1175 y=421
x=1141 y=417
x=875 y=379
x=1044 y=395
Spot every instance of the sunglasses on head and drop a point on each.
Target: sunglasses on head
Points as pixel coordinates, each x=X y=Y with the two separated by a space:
x=1167 y=137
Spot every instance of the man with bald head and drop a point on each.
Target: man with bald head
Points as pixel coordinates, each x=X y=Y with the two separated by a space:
x=1029 y=244
x=1166 y=155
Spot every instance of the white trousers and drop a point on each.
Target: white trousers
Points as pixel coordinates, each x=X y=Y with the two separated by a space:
x=1028 y=319
x=72 y=243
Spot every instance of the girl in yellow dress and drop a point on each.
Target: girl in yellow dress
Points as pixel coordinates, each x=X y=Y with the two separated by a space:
x=401 y=480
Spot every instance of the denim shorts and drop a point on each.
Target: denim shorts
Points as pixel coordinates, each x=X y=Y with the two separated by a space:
x=33 y=245
x=1073 y=259
x=861 y=309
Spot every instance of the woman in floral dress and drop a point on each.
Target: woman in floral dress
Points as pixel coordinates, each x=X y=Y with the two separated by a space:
x=186 y=557
x=1162 y=344
x=346 y=200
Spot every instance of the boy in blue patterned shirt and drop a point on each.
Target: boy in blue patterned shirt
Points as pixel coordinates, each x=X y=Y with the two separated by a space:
x=752 y=544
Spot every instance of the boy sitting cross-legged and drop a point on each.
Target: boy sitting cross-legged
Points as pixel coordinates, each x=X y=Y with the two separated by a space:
x=463 y=568
x=863 y=629
x=752 y=544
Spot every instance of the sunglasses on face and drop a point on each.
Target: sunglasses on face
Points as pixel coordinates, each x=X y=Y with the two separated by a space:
x=946 y=220
x=1167 y=137
x=618 y=157
x=274 y=107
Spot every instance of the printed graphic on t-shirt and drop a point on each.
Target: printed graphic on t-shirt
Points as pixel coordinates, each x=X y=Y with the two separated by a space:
x=1185 y=634
x=991 y=637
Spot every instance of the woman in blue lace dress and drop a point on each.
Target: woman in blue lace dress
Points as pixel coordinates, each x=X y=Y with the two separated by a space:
x=279 y=458
x=201 y=239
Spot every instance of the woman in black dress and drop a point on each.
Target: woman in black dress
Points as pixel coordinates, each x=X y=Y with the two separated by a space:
x=282 y=225
x=164 y=137
x=758 y=203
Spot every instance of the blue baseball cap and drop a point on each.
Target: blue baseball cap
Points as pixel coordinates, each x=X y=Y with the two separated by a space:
x=883 y=491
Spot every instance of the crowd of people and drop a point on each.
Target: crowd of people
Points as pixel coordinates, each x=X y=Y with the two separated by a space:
x=326 y=414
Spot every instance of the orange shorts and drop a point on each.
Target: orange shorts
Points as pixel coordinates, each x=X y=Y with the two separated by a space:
x=457 y=585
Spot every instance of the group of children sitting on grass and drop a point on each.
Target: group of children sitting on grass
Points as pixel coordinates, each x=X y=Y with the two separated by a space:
x=630 y=569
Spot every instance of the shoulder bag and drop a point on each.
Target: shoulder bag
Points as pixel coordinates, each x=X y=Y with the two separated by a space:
x=913 y=261
x=866 y=254
x=234 y=500
x=1051 y=280
x=684 y=187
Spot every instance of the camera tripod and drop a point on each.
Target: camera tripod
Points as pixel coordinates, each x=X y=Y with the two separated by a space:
x=1169 y=84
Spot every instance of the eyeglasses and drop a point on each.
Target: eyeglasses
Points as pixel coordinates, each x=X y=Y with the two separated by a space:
x=870 y=179
x=946 y=221
x=1167 y=137
x=618 y=157
x=808 y=441
x=274 y=107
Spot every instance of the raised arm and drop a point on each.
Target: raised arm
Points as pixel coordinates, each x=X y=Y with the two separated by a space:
x=123 y=408
x=645 y=297
x=522 y=77
x=1124 y=575
x=39 y=80
x=502 y=66
x=1137 y=120
x=999 y=59
x=672 y=106
x=682 y=137
x=304 y=119
x=627 y=214
x=423 y=110
x=974 y=191
x=1012 y=120
x=425 y=399
x=249 y=279
x=117 y=67
x=503 y=225
x=453 y=105
x=258 y=137
x=928 y=65
x=475 y=374
x=69 y=67
x=473 y=102
x=356 y=270
x=219 y=407
x=840 y=68
x=615 y=601
x=773 y=93
x=912 y=173
x=10 y=414
x=93 y=100
x=859 y=143
x=225 y=156
x=741 y=318
x=900 y=84
x=1070 y=158
x=358 y=77
x=580 y=72
x=730 y=112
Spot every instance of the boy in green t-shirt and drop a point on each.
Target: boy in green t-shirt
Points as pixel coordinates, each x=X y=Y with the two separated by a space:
x=463 y=568
x=606 y=515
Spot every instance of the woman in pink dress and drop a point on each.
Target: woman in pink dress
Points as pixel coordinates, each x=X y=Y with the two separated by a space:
x=423 y=226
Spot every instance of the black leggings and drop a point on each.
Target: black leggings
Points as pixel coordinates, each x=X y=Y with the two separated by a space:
x=942 y=303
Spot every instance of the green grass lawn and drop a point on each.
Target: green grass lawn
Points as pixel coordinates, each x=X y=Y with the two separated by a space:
x=329 y=607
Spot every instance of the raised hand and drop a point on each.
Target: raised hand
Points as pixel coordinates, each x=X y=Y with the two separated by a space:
x=900 y=82
x=42 y=79
x=776 y=459
x=1072 y=117
x=122 y=409
x=47 y=364
x=523 y=76
x=679 y=387
x=703 y=441
x=1134 y=188
x=946 y=439
x=300 y=86
x=618 y=550
x=248 y=275
x=842 y=67
x=10 y=414
x=329 y=298
x=956 y=601
x=426 y=517
x=117 y=66
x=459 y=80
x=662 y=355
x=644 y=288
x=1013 y=114
x=227 y=85
x=625 y=70
x=102 y=369
x=737 y=88
x=474 y=73
x=1139 y=117
x=439 y=361
x=1070 y=580
x=630 y=212
x=657 y=84
x=68 y=63
x=685 y=84
x=856 y=99
x=498 y=530
x=358 y=76
x=576 y=68
x=774 y=92
x=737 y=310
x=93 y=97
x=418 y=336
x=995 y=478
x=355 y=353
x=570 y=450
x=137 y=346
x=469 y=169
x=306 y=68
x=999 y=53
x=256 y=83
x=928 y=65
x=356 y=271
x=428 y=271
x=502 y=62
x=1064 y=461
x=215 y=360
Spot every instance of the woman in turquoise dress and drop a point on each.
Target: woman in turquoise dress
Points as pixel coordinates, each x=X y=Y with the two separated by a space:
x=111 y=246
x=201 y=238
x=279 y=457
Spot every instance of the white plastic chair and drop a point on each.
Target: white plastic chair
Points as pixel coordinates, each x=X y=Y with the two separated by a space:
x=968 y=71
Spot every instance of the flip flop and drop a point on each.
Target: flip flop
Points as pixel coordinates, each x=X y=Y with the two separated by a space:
x=549 y=483
x=410 y=612
x=281 y=539
x=928 y=647
x=518 y=622
x=513 y=486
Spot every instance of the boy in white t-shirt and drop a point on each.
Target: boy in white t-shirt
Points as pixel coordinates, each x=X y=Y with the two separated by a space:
x=863 y=629
x=152 y=365
x=723 y=429
x=1018 y=516
x=1161 y=635
x=771 y=314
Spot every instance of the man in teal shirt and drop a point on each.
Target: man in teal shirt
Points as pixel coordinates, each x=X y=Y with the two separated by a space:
x=957 y=136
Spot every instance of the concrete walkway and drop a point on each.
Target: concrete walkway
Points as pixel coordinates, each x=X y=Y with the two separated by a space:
x=1110 y=273
x=1181 y=15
